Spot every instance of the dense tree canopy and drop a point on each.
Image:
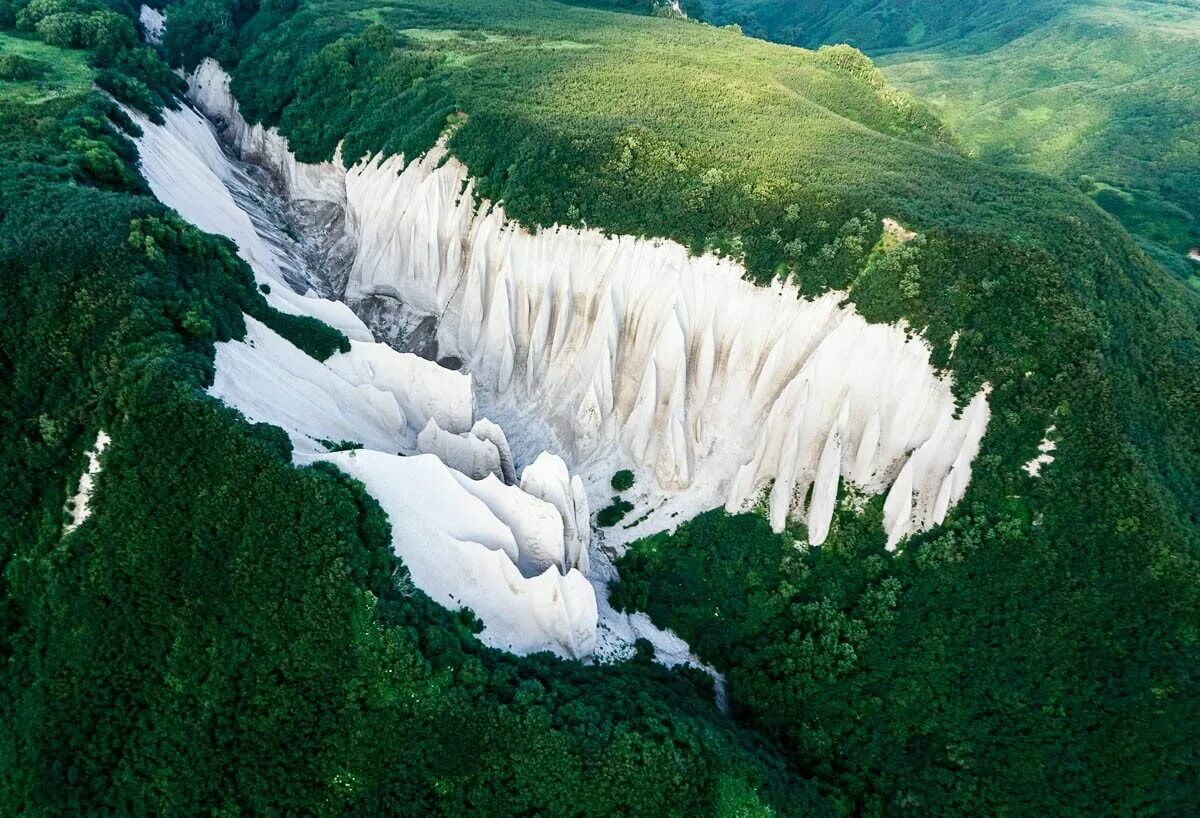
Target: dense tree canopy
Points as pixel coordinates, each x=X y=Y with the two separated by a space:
x=1101 y=93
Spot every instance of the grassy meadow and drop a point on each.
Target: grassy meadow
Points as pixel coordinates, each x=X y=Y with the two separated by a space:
x=1101 y=94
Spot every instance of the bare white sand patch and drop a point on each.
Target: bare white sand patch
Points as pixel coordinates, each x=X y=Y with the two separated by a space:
x=81 y=507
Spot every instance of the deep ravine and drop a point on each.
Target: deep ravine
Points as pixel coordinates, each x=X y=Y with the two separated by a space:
x=603 y=352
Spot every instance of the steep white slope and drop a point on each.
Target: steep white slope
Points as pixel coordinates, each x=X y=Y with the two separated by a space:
x=632 y=350
x=271 y=381
x=424 y=392
x=496 y=548
x=459 y=551
x=153 y=24
x=187 y=171
x=81 y=504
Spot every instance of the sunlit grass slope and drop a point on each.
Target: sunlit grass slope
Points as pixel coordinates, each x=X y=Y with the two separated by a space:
x=1101 y=93
x=879 y=26
x=1106 y=94
x=31 y=71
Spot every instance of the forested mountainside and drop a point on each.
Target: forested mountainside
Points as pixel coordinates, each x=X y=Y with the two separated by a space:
x=227 y=633
x=883 y=25
x=1100 y=94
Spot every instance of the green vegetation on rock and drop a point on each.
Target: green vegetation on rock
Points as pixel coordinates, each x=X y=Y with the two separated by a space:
x=613 y=513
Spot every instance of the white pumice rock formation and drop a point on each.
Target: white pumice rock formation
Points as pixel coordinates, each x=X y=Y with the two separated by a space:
x=424 y=393
x=485 y=429
x=458 y=548
x=153 y=24
x=196 y=179
x=271 y=381
x=680 y=361
x=467 y=538
x=703 y=381
x=611 y=351
x=466 y=453
x=208 y=88
x=547 y=477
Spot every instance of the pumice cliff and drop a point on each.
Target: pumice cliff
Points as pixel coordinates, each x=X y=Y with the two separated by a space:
x=407 y=428
x=700 y=379
x=607 y=350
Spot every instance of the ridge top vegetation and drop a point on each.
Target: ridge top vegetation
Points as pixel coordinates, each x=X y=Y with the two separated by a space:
x=1099 y=93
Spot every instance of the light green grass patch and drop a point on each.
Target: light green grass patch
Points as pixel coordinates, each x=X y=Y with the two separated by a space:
x=66 y=71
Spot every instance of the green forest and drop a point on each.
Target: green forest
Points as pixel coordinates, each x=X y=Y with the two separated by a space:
x=227 y=634
x=1099 y=93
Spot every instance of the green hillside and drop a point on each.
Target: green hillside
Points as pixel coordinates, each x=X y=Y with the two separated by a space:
x=1100 y=94
x=883 y=25
x=228 y=634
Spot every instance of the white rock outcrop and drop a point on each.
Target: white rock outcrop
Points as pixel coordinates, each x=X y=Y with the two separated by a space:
x=423 y=391
x=466 y=453
x=1045 y=455
x=208 y=88
x=485 y=429
x=271 y=381
x=458 y=549
x=467 y=538
x=547 y=478
x=701 y=379
x=81 y=507
x=680 y=361
x=187 y=171
x=153 y=24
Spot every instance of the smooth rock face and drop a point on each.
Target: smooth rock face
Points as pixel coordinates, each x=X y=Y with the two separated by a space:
x=703 y=380
x=459 y=550
x=547 y=477
x=485 y=429
x=271 y=381
x=153 y=23
x=465 y=453
x=423 y=391
x=467 y=538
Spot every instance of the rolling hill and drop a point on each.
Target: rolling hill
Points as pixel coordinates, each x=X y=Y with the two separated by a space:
x=1100 y=94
